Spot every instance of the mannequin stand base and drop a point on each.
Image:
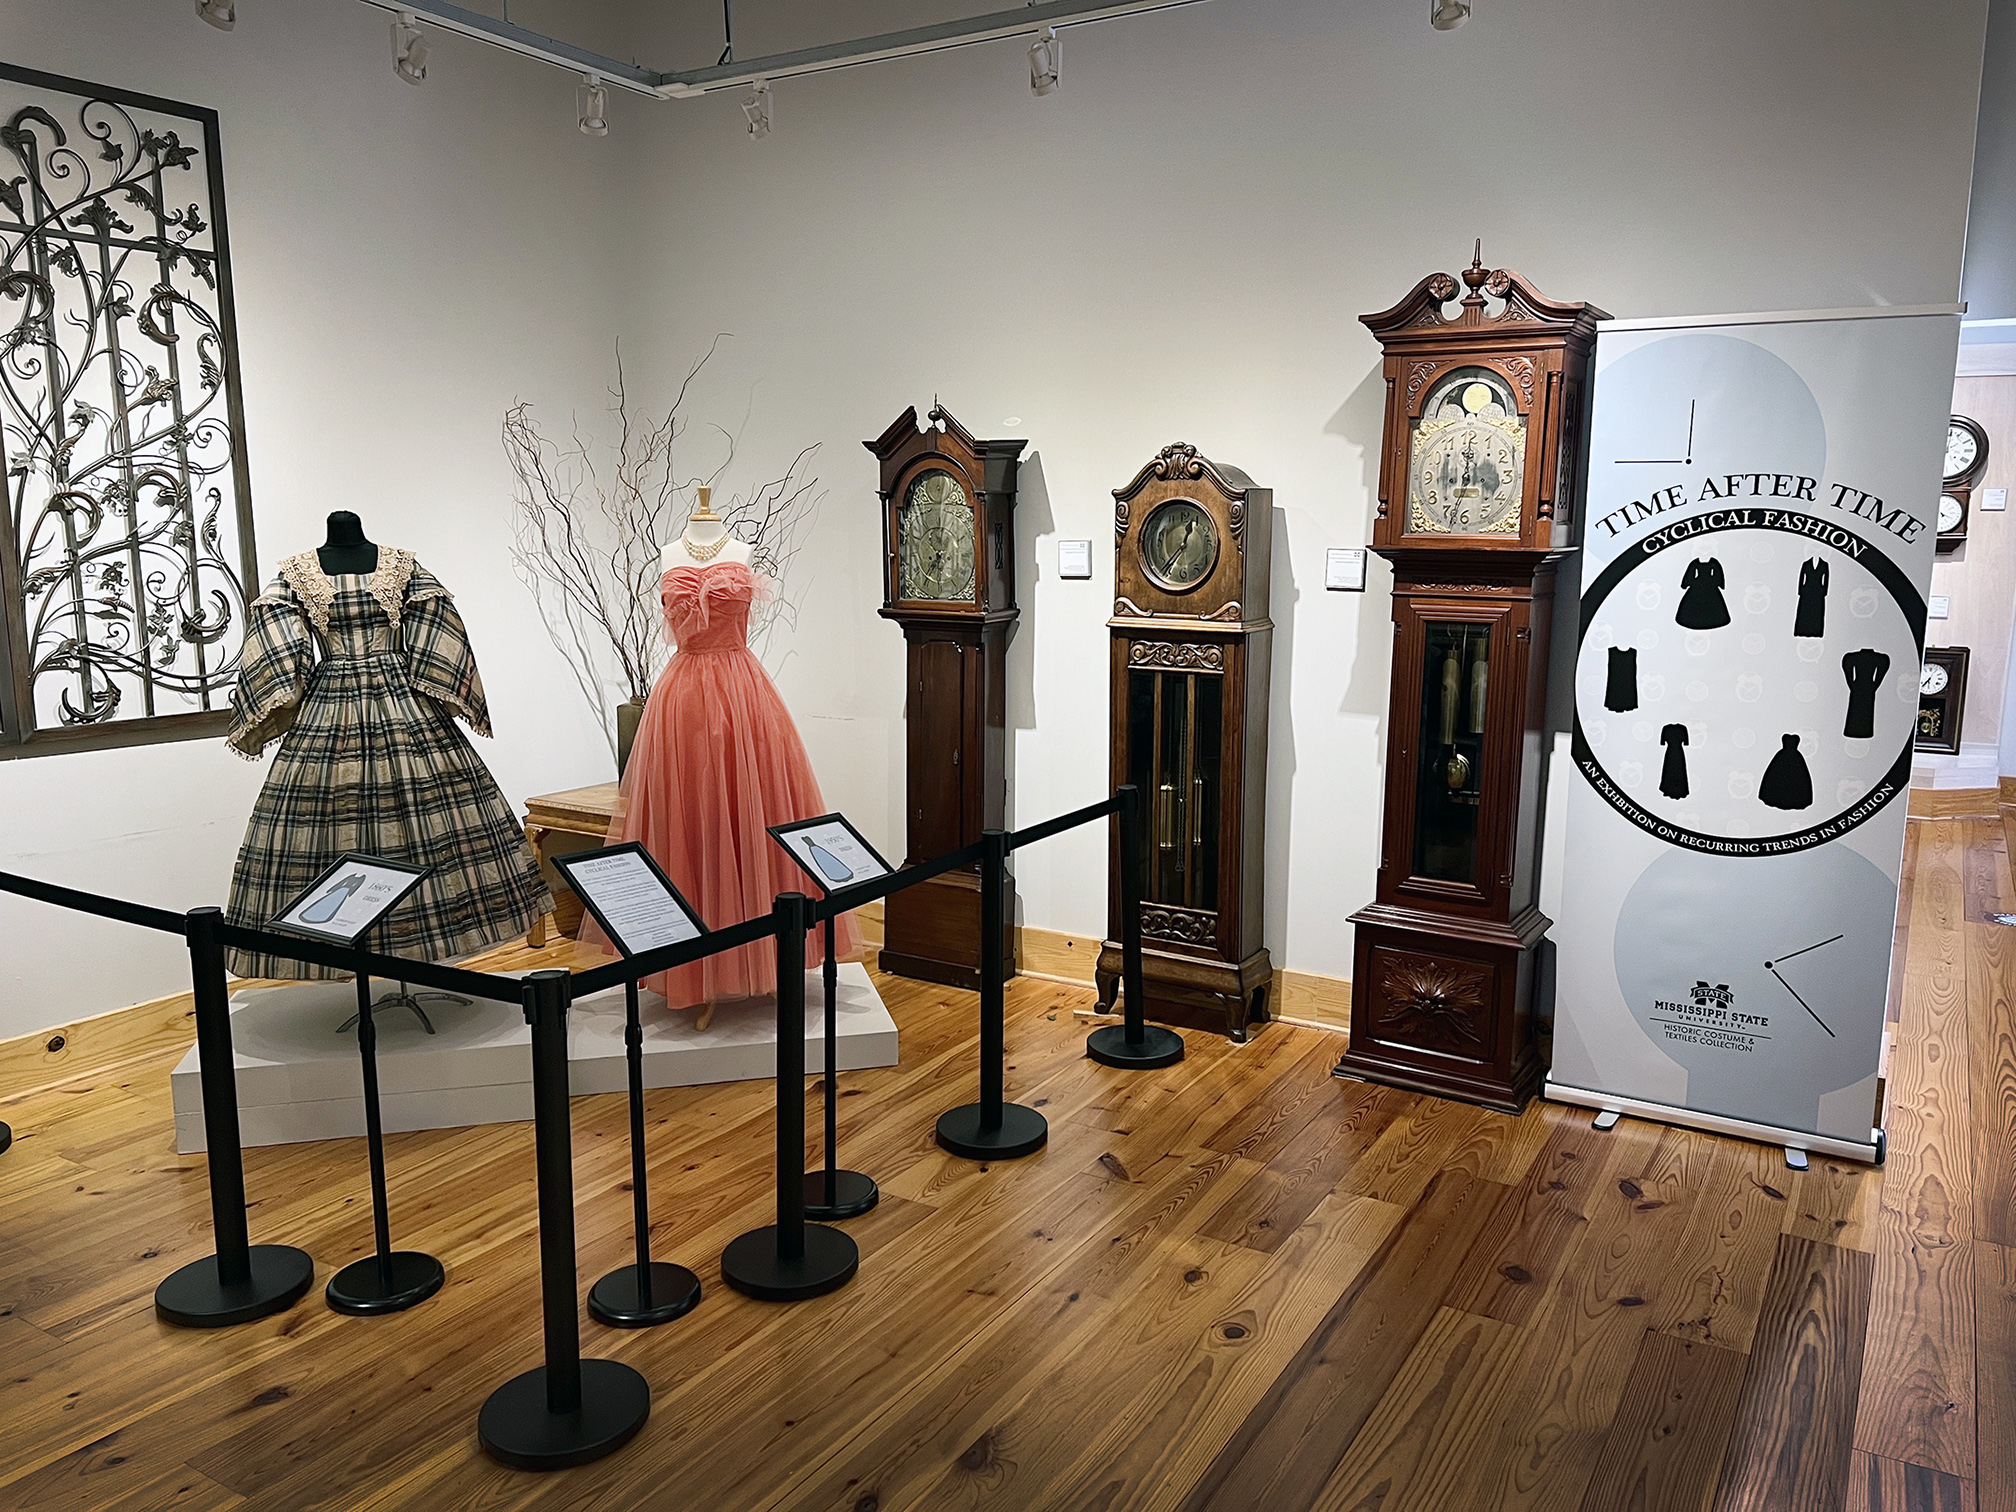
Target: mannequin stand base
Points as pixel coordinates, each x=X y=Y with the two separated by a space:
x=362 y=1290
x=194 y=1297
x=1158 y=1047
x=675 y=1291
x=753 y=1267
x=1023 y=1131
x=516 y=1428
x=853 y=1195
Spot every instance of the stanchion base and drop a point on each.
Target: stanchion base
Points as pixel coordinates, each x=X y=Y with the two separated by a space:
x=675 y=1291
x=1158 y=1047
x=1023 y=1131
x=516 y=1428
x=753 y=1267
x=6 y=1138
x=854 y=1194
x=193 y=1297
x=360 y=1290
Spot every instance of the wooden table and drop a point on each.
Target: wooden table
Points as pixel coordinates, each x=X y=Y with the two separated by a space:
x=560 y=824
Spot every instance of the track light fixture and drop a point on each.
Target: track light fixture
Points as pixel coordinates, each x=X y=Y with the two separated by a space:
x=409 y=49
x=1447 y=15
x=1046 y=61
x=222 y=14
x=757 y=109
x=591 y=104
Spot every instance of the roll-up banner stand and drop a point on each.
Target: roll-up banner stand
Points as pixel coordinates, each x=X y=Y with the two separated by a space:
x=1757 y=546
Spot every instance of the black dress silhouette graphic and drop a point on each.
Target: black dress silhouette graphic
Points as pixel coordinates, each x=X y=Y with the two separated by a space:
x=1787 y=784
x=1864 y=670
x=1620 y=694
x=1673 y=776
x=1811 y=621
x=330 y=904
x=1701 y=603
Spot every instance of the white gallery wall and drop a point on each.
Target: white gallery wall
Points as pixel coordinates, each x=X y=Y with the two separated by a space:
x=1174 y=246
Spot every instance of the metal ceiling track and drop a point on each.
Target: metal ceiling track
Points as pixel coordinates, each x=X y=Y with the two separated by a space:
x=692 y=83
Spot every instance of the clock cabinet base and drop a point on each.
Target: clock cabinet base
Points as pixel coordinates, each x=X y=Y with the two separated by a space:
x=1445 y=1006
x=1196 y=992
x=931 y=932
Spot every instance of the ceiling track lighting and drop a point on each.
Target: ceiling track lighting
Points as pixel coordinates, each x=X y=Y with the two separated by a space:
x=1046 y=61
x=757 y=109
x=222 y=14
x=409 y=49
x=591 y=105
x=1447 y=15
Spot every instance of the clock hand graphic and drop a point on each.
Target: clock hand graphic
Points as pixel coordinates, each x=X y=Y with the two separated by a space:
x=1772 y=967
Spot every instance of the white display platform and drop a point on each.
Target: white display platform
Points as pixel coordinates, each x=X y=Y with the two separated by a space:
x=298 y=1079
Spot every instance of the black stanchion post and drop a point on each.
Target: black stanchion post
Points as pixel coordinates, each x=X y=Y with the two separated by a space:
x=389 y=1280
x=791 y=1259
x=1135 y=1043
x=569 y=1410
x=993 y=1129
x=241 y=1281
x=831 y=1193
x=649 y=1292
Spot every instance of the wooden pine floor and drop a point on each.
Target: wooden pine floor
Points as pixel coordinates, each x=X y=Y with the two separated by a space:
x=1234 y=1285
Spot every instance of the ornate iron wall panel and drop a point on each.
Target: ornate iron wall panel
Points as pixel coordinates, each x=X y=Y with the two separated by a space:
x=126 y=549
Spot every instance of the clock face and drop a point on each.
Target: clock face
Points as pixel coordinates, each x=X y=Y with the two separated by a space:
x=1963 y=449
x=1949 y=512
x=1468 y=463
x=1179 y=544
x=1932 y=679
x=934 y=541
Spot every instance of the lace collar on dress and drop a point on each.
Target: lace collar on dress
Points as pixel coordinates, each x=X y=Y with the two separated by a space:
x=317 y=590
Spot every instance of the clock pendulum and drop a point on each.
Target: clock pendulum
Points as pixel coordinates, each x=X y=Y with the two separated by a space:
x=1477 y=477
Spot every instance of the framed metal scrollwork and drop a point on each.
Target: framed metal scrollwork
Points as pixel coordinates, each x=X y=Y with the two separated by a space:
x=126 y=548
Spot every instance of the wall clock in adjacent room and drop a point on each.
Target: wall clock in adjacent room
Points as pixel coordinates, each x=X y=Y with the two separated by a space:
x=1966 y=460
x=948 y=522
x=1476 y=493
x=1191 y=646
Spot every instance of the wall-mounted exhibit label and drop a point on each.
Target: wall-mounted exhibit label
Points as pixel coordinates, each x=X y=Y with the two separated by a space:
x=1994 y=498
x=1938 y=606
x=1758 y=545
x=1344 y=569
x=1074 y=559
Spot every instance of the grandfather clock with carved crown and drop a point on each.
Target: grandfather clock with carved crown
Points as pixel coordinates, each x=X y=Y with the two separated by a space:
x=1191 y=648
x=948 y=547
x=1477 y=478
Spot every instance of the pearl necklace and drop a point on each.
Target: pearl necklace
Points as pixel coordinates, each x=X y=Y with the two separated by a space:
x=704 y=553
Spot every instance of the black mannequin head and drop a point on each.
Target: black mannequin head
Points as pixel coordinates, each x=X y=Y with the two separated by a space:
x=347 y=548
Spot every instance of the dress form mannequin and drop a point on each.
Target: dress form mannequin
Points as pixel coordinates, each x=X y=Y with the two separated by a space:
x=705 y=540
x=347 y=549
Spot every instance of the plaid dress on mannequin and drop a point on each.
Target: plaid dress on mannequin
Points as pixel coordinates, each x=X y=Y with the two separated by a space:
x=360 y=679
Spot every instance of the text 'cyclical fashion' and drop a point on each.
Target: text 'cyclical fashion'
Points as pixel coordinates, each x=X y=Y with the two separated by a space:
x=361 y=677
x=717 y=761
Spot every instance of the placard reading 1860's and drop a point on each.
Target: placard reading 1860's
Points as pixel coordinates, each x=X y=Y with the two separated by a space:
x=1757 y=545
x=349 y=899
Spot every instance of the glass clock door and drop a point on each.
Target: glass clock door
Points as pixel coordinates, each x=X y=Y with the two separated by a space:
x=1175 y=726
x=1455 y=684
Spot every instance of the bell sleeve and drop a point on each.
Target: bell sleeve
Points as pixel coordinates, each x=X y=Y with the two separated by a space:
x=272 y=671
x=439 y=662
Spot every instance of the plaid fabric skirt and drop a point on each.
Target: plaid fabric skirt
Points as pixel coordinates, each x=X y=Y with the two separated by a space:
x=373 y=767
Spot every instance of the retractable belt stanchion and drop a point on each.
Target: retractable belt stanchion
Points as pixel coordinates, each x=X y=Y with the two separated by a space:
x=649 y=1292
x=1136 y=1043
x=992 y=1129
x=832 y=1193
x=388 y=1280
x=6 y=1138
x=569 y=1410
x=791 y=1259
x=241 y=1281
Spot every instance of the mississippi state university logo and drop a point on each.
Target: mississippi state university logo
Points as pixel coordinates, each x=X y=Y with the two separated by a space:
x=1719 y=995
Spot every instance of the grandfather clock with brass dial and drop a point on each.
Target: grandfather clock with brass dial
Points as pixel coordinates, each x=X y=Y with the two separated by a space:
x=948 y=545
x=1477 y=477
x=1191 y=648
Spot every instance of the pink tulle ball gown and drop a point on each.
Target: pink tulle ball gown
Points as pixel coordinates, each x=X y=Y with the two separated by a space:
x=716 y=761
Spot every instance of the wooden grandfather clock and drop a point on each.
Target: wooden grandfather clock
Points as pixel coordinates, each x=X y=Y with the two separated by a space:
x=948 y=547
x=1477 y=477
x=1191 y=648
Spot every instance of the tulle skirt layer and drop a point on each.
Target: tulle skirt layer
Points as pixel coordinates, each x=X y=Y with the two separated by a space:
x=717 y=760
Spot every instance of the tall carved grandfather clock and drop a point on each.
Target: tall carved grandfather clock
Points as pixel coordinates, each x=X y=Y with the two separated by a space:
x=1477 y=477
x=948 y=545
x=1192 y=645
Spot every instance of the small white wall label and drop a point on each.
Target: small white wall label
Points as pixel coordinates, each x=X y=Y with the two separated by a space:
x=1074 y=559
x=1936 y=606
x=1344 y=569
x=1994 y=498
